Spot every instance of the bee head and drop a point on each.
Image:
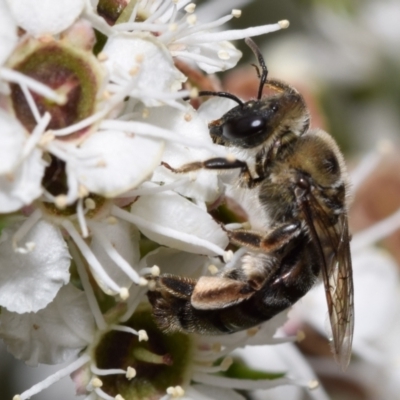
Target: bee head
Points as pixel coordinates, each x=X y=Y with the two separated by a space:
x=262 y=121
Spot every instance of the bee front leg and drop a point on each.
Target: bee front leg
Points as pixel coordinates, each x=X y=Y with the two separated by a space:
x=220 y=163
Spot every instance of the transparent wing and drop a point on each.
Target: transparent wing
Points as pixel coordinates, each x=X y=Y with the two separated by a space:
x=337 y=276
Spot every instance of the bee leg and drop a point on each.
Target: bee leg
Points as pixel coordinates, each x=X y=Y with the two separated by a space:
x=170 y=297
x=268 y=242
x=220 y=163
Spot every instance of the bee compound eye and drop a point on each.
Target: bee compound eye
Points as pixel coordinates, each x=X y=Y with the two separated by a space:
x=303 y=183
x=243 y=127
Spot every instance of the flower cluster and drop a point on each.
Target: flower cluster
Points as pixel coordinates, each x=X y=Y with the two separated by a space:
x=92 y=102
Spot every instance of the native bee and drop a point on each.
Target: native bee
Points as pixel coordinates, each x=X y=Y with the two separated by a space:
x=295 y=192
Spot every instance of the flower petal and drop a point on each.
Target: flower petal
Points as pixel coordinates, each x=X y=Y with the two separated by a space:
x=112 y=162
x=172 y=220
x=172 y=261
x=23 y=185
x=203 y=185
x=124 y=238
x=30 y=281
x=41 y=17
x=8 y=32
x=12 y=138
x=199 y=391
x=52 y=335
x=127 y=51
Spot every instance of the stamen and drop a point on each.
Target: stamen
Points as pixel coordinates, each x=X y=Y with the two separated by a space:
x=34 y=85
x=237 y=13
x=175 y=392
x=376 y=232
x=235 y=258
x=140 y=26
x=198 y=58
x=228 y=255
x=154 y=270
x=103 y=395
x=191 y=19
x=134 y=11
x=245 y=384
x=90 y=204
x=123 y=294
x=313 y=384
x=126 y=329
x=284 y=23
x=31 y=103
x=50 y=380
x=133 y=302
x=113 y=254
x=81 y=218
x=36 y=135
x=208 y=26
x=190 y=8
x=143 y=337
x=224 y=366
x=104 y=372
x=23 y=230
x=367 y=165
x=142 y=128
x=130 y=373
x=165 y=231
x=212 y=269
x=88 y=289
x=96 y=382
x=160 y=11
x=230 y=35
x=109 y=106
x=90 y=257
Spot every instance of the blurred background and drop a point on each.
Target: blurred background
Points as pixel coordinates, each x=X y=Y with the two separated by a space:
x=344 y=57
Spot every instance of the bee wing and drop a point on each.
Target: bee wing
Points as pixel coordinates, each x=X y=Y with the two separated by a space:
x=337 y=276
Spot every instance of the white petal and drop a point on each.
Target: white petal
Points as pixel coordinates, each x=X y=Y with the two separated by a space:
x=172 y=261
x=29 y=282
x=172 y=220
x=207 y=392
x=8 y=32
x=215 y=108
x=113 y=162
x=204 y=185
x=127 y=51
x=221 y=52
x=52 y=335
x=124 y=238
x=39 y=17
x=24 y=184
x=12 y=138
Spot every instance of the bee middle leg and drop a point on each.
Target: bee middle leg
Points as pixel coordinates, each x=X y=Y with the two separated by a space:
x=267 y=242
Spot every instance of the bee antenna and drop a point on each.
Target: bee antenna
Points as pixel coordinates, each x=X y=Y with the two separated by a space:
x=264 y=70
x=218 y=94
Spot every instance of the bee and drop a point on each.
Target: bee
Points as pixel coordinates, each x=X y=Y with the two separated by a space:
x=293 y=185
